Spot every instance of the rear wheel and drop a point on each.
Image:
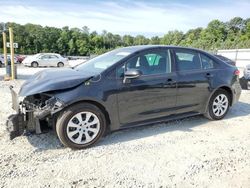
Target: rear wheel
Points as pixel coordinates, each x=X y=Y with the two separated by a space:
x=60 y=64
x=81 y=126
x=218 y=105
x=34 y=64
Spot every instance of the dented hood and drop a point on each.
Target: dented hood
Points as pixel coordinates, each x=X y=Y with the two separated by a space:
x=53 y=79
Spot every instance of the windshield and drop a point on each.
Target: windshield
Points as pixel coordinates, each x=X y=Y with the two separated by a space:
x=102 y=62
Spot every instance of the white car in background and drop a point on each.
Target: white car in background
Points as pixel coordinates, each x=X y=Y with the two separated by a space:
x=45 y=60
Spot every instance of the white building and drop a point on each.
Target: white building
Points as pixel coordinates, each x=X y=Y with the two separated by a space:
x=240 y=56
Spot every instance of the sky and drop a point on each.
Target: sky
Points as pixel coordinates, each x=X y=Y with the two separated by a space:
x=123 y=16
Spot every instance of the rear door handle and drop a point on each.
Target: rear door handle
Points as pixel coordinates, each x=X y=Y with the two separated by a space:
x=208 y=75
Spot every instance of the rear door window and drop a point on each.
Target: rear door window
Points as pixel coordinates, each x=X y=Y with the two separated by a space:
x=53 y=57
x=187 y=60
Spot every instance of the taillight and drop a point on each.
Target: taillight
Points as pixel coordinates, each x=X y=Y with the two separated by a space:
x=237 y=72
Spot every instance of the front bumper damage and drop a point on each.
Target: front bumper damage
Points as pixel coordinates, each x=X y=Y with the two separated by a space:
x=31 y=113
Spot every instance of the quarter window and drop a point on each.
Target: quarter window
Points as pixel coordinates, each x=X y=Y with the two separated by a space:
x=207 y=63
x=187 y=60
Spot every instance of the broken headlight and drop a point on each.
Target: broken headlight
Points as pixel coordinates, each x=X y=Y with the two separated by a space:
x=42 y=105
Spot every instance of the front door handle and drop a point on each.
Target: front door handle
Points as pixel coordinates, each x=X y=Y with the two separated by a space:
x=208 y=75
x=170 y=81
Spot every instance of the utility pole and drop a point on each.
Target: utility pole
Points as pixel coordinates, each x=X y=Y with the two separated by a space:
x=12 y=53
x=4 y=49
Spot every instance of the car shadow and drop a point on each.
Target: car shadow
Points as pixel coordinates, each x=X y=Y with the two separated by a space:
x=239 y=109
x=50 y=141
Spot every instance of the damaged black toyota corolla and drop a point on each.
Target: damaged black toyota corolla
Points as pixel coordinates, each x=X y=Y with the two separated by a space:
x=124 y=88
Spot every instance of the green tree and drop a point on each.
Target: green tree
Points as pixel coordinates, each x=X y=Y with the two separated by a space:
x=172 y=38
x=34 y=38
x=141 y=40
x=155 y=40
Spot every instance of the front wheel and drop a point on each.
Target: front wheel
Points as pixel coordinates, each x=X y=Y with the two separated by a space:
x=81 y=126
x=218 y=105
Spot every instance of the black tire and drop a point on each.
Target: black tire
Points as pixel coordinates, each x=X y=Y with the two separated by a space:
x=34 y=64
x=210 y=114
x=60 y=64
x=1 y=64
x=68 y=114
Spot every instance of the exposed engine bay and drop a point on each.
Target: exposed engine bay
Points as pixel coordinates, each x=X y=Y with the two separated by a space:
x=35 y=113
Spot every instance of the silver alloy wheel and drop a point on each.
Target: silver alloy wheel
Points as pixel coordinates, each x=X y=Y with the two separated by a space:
x=220 y=105
x=83 y=127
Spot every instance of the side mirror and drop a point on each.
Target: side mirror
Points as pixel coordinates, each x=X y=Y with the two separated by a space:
x=131 y=73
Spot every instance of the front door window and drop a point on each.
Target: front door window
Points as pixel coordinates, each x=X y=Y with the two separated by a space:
x=152 y=62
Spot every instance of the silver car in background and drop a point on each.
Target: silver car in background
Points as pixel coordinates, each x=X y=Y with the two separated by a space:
x=245 y=79
x=1 y=60
x=45 y=60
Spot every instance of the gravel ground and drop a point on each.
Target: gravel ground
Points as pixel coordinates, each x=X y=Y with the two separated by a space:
x=193 y=152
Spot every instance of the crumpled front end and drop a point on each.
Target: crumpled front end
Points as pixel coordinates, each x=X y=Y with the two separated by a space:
x=33 y=113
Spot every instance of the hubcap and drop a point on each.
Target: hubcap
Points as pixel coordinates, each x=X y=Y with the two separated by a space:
x=83 y=127
x=220 y=105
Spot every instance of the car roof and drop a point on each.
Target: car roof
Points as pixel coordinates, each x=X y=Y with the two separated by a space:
x=133 y=49
x=49 y=54
x=46 y=54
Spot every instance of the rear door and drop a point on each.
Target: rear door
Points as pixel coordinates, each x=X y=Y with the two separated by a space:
x=54 y=60
x=195 y=73
x=153 y=94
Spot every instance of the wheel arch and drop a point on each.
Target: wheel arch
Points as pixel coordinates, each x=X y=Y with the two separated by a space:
x=224 y=87
x=97 y=104
x=230 y=92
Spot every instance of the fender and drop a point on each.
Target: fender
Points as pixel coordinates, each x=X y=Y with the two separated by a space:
x=108 y=108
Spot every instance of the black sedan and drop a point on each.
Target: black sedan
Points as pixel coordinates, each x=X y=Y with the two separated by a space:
x=124 y=88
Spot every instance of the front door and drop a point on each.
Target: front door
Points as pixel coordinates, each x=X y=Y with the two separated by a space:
x=153 y=94
x=44 y=60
